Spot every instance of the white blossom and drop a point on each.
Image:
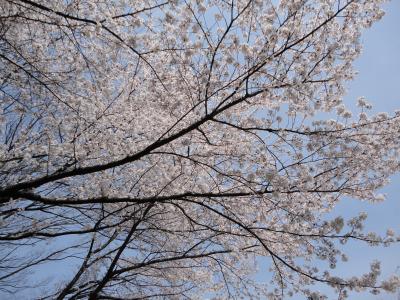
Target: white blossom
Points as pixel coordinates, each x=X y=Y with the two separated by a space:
x=164 y=147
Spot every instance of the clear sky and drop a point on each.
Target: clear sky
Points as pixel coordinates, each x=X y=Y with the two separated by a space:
x=379 y=81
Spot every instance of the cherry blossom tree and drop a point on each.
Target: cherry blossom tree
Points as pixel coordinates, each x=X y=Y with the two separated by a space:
x=159 y=148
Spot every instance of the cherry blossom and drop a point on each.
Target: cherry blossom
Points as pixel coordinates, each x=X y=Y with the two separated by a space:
x=160 y=148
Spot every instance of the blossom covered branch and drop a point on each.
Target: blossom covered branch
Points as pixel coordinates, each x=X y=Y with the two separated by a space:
x=159 y=148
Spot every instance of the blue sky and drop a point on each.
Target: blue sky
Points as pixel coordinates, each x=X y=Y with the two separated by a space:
x=379 y=81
